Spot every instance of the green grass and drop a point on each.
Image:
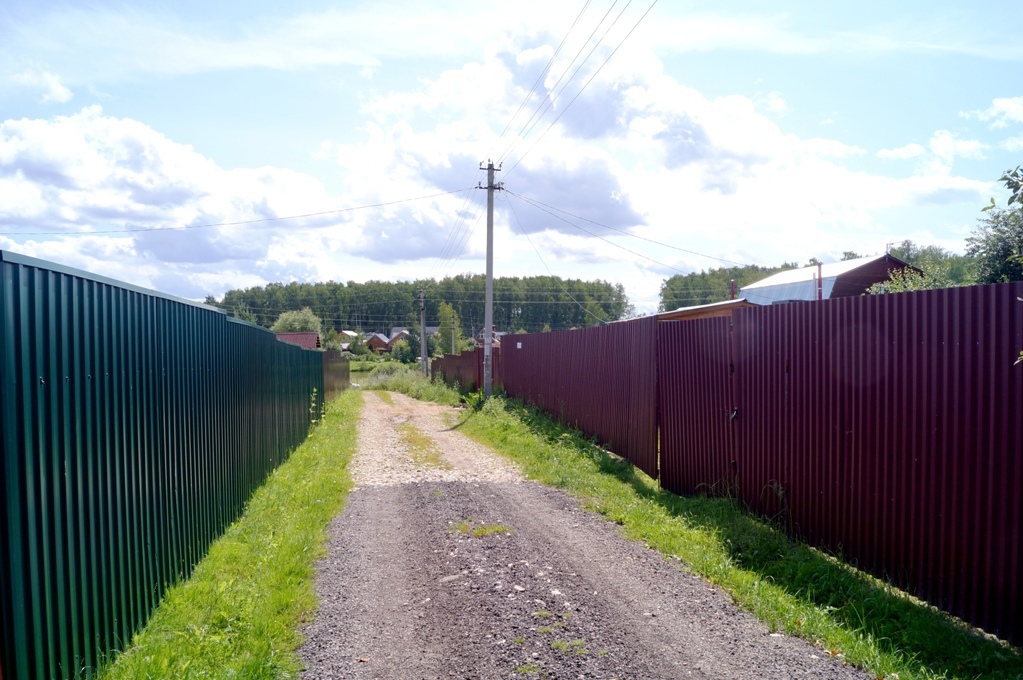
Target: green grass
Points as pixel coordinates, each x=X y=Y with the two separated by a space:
x=467 y=526
x=238 y=615
x=792 y=587
x=395 y=377
x=421 y=447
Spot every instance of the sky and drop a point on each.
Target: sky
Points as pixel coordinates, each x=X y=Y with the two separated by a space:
x=195 y=147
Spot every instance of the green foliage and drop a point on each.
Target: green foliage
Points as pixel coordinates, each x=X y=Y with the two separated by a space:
x=1014 y=183
x=850 y=255
x=939 y=268
x=239 y=614
x=938 y=263
x=933 y=276
x=700 y=288
x=997 y=245
x=395 y=377
x=447 y=318
x=376 y=306
x=790 y=586
x=405 y=352
x=302 y=320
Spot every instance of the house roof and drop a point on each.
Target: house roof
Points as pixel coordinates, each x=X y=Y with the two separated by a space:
x=838 y=279
x=308 y=340
x=704 y=311
x=398 y=330
x=380 y=337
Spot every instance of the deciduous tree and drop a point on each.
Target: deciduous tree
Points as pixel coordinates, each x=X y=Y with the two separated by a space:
x=298 y=321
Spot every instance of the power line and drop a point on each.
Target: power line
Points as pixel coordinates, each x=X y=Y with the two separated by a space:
x=616 y=245
x=232 y=224
x=583 y=88
x=537 y=204
x=546 y=70
x=545 y=264
x=554 y=93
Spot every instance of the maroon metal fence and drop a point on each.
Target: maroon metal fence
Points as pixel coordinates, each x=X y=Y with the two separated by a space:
x=891 y=426
x=694 y=394
x=465 y=369
x=600 y=380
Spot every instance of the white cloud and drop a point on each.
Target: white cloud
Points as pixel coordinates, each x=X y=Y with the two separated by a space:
x=91 y=173
x=1002 y=112
x=902 y=152
x=53 y=89
x=776 y=104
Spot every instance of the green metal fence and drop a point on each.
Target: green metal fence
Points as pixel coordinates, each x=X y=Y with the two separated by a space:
x=134 y=427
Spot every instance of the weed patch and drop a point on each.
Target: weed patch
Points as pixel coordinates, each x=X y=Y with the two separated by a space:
x=422 y=449
x=468 y=527
x=395 y=377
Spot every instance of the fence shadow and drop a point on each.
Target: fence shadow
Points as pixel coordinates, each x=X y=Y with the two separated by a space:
x=897 y=623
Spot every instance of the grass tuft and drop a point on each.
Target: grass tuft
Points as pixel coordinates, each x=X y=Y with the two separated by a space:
x=239 y=613
x=790 y=586
x=422 y=448
x=467 y=526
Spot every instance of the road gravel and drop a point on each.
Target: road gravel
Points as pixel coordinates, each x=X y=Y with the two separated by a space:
x=463 y=569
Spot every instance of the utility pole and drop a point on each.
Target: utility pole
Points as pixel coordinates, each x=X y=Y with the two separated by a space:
x=488 y=302
x=422 y=334
x=453 y=335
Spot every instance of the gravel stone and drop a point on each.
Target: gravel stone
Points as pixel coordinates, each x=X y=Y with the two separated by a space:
x=407 y=590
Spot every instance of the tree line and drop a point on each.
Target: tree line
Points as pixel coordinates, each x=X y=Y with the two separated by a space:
x=529 y=304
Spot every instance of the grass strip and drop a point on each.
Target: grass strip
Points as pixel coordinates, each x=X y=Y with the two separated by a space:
x=239 y=613
x=790 y=586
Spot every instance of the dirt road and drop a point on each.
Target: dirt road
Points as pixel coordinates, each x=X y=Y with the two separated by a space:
x=445 y=563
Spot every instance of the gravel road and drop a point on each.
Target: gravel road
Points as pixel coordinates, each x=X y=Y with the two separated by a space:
x=455 y=567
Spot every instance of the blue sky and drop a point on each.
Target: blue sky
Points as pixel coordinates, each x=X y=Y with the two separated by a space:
x=736 y=133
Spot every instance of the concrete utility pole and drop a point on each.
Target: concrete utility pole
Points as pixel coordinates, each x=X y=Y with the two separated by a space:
x=488 y=303
x=422 y=335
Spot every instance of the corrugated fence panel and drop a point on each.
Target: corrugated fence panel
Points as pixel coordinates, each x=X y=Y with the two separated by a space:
x=336 y=374
x=694 y=385
x=134 y=427
x=601 y=380
x=890 y=427
x=464 y=370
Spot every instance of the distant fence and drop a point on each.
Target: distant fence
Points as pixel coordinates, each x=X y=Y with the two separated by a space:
x=134 y=428
x=889 y=427
x=464 y=370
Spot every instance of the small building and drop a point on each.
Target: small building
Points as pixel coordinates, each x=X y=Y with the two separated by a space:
x=308 y=340
x=495 y=337
x=837 y=279
x=396 y=335
x=378 y=342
